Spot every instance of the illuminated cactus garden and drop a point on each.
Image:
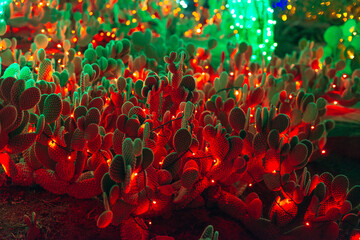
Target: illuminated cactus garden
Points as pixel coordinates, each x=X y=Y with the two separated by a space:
x=164 y=119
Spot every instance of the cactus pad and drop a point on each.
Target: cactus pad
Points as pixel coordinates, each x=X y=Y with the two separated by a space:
x=52 y=108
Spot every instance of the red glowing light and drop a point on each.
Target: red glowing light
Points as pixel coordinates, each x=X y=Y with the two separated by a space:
x=154 y=202
x=307 y=224
x=250 y=184
x=355 y=236
x=4 y=162
x=212 y=180
x=323 y=151
x=335 y=102
x=52 y=143
x=334 y=85
x=133 y=176
x=290 y=96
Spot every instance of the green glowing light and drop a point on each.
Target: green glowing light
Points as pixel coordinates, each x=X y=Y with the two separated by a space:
x=253 y=22
x=2 y=21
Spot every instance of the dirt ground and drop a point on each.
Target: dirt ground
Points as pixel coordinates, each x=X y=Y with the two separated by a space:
x=59 y=217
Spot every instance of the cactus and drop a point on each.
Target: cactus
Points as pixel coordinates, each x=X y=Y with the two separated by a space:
x=152 y=125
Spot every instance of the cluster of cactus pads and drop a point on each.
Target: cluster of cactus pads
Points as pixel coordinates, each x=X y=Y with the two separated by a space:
x=154 y=131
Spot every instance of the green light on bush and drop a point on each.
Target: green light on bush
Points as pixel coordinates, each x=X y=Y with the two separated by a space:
x=253 y=23
x=2 y=21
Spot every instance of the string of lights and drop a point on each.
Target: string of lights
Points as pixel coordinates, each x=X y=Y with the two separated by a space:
x=320 y=10
x=253 y=22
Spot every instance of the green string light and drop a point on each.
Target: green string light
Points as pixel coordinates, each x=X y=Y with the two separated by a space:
x=253 y=23
x=2 y=20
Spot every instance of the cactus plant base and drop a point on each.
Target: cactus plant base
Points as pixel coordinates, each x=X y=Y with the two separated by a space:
x=77 y=217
